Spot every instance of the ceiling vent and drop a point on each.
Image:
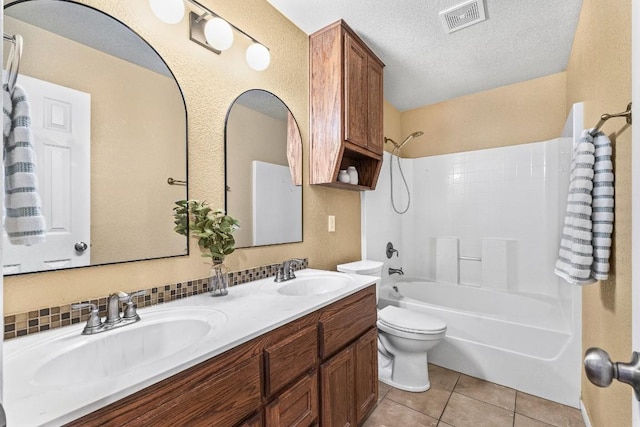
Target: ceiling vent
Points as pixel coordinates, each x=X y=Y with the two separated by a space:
x=463 y=15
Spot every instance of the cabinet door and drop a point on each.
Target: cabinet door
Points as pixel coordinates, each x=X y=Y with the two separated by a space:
x=289 y=359
x=375 y=100
x=366 y=365
x=297 y=406
x=337 y=384
x=355 y=92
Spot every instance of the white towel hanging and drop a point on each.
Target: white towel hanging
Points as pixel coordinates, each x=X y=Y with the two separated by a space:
x=585 y=246
x=24 y=222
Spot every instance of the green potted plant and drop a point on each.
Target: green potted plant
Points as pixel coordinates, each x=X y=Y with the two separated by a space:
x=214 y=230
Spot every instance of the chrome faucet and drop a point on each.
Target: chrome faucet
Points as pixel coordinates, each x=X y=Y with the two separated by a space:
x=396 y=271
x=287 y=271
x=113 y=320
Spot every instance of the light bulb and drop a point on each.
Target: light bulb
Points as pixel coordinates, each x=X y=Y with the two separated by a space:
x=168 y=11
x=218 y=33
x=258 y=57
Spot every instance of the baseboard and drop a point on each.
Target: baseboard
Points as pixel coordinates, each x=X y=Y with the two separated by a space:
x=585 y=415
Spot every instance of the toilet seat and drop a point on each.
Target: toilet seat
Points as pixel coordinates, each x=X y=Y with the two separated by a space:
x=410 y=321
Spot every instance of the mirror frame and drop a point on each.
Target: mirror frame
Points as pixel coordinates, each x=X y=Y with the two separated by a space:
x=226 y=183
x=186 y=135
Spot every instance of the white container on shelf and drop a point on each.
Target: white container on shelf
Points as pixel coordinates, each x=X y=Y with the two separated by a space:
x=343 y=176
x=353 y=175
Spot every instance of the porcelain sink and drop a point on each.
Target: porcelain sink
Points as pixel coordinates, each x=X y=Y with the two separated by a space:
x=317 y=284
x=74 y=359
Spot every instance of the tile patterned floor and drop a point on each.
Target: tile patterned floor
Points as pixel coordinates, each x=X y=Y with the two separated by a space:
x=458 y=400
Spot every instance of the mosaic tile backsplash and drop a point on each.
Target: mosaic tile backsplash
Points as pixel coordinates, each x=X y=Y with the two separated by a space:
x=21 y=324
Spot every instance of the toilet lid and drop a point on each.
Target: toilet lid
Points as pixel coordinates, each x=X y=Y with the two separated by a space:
x=361 y=267
x=407 y=320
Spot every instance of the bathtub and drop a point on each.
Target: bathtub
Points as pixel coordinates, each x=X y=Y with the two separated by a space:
x=520 y=341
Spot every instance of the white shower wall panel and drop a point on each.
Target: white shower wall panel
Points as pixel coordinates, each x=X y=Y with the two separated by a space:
x=382 y=223
x=513 y=193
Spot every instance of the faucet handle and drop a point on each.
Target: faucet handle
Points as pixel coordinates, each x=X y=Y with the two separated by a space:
x=130 y=311
x=94 y=320
x=290 y=263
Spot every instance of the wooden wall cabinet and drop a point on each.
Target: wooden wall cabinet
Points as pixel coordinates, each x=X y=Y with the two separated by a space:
x=320 y=369
x=346 y=104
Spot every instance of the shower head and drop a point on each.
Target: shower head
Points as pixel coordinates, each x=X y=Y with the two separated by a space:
x=409 y=138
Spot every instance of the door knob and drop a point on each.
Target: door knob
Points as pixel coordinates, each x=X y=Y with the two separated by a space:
x=601 y=371
x=80 y=246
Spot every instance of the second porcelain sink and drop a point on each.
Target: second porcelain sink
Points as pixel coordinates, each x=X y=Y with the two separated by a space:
x=317 y=284
x=74 y=359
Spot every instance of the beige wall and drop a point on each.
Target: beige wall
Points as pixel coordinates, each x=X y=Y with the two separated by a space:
x=210 y=83
x=520 y=113
x=134 y=143
x=251 y=135
x=599 y=73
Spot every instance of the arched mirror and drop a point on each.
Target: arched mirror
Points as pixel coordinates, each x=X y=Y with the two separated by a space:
x=263 y=170
x=109 y=127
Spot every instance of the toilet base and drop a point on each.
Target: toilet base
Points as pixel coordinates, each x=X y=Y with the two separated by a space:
x=385 y=369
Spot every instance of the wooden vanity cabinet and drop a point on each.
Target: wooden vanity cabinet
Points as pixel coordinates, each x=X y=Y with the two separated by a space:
x=320 y=369
x=349 y=372
x=346 y=104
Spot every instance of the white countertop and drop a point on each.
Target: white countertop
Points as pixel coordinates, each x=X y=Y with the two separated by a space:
x=31 y=398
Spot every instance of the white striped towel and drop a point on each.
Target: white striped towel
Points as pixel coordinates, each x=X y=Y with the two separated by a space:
x=586 y=237
x=24 y=222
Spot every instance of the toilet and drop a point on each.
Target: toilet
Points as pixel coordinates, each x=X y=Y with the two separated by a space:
x=404 y=337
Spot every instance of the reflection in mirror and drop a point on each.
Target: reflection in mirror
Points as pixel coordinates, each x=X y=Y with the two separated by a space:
x=263 y=170
x=109 y=126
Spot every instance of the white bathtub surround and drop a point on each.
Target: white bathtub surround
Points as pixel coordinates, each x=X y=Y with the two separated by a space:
x=505 y=206
x=499 y=263
x=447 y=260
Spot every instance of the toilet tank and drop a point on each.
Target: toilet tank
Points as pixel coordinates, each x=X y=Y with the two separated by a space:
x=364 y=267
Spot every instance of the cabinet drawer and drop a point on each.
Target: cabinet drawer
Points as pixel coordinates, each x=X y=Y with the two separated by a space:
x=223 y=399
x=342 y=326
x=290 y=358
x=206 y=395
x=297 y=406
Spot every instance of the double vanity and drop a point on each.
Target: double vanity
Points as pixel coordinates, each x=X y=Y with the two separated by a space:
x=299 y=352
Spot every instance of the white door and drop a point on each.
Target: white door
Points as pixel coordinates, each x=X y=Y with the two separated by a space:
x=61 y=124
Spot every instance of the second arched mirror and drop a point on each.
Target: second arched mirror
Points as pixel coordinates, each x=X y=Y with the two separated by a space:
x=263 y=170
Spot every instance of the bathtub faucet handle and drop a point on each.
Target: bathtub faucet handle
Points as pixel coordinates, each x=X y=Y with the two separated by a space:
x=391 y=250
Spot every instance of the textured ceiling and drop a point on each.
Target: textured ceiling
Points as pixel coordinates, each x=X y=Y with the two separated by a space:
x=520 y=40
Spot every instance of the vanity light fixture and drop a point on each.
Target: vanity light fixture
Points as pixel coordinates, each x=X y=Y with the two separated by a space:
x=210 y=30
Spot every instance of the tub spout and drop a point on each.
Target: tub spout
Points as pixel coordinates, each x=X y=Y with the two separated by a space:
x=396 y=271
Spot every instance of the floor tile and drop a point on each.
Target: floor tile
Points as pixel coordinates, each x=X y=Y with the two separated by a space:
x=547 y=411
x=383 y=389
x=392 y=414
x=442 y=377
x=485 y=391
x=430 y=402
x=463 y=411
x=441 y=424
x=522 y=421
